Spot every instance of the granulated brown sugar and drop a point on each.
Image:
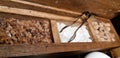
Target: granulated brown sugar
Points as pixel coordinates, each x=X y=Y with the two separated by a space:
x=18 y=31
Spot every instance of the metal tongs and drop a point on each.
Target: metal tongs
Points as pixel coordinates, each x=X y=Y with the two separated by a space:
x=84 y=20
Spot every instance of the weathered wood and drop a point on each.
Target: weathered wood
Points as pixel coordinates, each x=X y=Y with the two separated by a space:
x=33 y=7
x=105 y=9
x=40 y=49
x=91 y=29
x=55 y=31
x=90 y=32
x=35 y=13
x=45 y=6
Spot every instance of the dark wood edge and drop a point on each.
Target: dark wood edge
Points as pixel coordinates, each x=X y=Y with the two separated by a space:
x=116 y=35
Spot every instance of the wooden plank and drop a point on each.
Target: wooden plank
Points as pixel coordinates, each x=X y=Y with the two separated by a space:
x=35 y=13
x=90 y=32
x=45 y=6
x=34 y=7
x=41 y=49
x=102 y=9
x=105 y=9
x=91 y=29
x=55 y=31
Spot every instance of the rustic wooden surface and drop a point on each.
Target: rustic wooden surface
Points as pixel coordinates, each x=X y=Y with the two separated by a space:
x=36 y=8
x=35 y=13
x=57 y=9
x=41 y=49
x=91 y=29
x=106 y=9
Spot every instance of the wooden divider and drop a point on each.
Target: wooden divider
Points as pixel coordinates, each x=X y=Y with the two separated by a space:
x=55 y=32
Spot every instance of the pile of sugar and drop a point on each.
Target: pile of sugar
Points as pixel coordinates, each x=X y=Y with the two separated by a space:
x=82 y=34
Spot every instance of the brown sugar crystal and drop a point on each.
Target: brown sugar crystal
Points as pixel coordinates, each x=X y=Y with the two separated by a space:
x=17 y=31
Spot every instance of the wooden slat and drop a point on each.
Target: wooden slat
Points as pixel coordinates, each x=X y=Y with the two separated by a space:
x=40 y=49
x=35 y=13
x=33 y=7
x=106 y=9
x=45 y=6
x=55 y=31
x=91 y=29
x=90 y=32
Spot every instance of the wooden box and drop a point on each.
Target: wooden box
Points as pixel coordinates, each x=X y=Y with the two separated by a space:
x=46 y=40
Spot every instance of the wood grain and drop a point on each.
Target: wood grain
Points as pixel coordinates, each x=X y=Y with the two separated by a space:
x=91 y=29
x=41 y=49
x=34 y=13
x=38 y=7
x=55 y=31
x=45 y=6
x=106 y=9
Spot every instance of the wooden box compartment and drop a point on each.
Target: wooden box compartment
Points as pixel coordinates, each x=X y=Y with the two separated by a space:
x=67 y=34
x=30 y=44
x=102 y=30
x=97 y=29
x=16 y=29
